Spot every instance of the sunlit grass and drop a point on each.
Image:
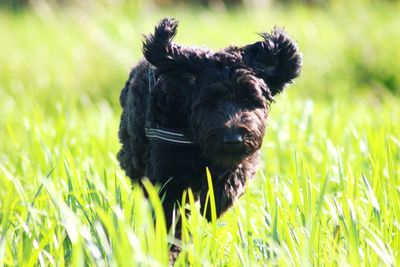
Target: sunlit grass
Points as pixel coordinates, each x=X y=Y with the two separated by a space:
x=327 y=192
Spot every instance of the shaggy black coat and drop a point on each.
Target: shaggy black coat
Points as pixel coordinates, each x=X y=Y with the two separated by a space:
x=220 y=100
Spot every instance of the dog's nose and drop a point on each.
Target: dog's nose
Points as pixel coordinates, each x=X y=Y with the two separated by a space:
x=232 y=139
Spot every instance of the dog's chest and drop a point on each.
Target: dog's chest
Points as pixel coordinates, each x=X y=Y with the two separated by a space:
x=183 y=164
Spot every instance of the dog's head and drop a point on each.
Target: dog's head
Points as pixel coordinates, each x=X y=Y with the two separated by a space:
x=223 y=98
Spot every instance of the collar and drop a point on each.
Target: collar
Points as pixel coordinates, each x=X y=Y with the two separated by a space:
x=165 y=135
x=169 y=136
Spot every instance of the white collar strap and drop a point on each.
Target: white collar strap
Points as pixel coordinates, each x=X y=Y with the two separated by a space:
x=168 y=136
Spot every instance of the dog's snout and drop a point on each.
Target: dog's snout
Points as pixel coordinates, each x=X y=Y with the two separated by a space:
x=232 y=139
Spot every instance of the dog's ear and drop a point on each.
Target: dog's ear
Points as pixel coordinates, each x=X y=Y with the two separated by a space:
x=162 y=53
x=276 y=59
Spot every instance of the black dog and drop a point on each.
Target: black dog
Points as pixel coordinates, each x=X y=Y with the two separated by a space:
x=188 y=108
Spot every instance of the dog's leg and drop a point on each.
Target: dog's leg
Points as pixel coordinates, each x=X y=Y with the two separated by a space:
x=227 y=188
x=171 y=200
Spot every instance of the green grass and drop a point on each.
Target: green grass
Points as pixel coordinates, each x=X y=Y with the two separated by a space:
x=328 y=188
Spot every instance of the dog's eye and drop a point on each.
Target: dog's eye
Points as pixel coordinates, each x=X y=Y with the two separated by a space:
x=191 y=80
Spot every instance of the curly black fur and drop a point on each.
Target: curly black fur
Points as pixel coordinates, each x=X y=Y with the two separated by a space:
x=218 y=99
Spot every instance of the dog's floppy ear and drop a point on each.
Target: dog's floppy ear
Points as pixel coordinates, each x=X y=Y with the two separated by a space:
x=162 y=53
x=276 y=60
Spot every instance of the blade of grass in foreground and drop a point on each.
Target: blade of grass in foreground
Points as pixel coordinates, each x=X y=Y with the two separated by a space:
x=210 y=204
x=160 y=224
x=354 y=241
x=250 y=244
x=69 y=221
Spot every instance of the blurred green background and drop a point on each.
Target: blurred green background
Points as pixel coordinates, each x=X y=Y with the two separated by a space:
x=62 y=67
x=87 y=47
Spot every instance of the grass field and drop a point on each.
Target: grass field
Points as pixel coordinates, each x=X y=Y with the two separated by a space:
x=328 y=190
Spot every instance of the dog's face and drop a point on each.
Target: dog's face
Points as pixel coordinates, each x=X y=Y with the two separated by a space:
x=228 y=113
x=226 y=95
